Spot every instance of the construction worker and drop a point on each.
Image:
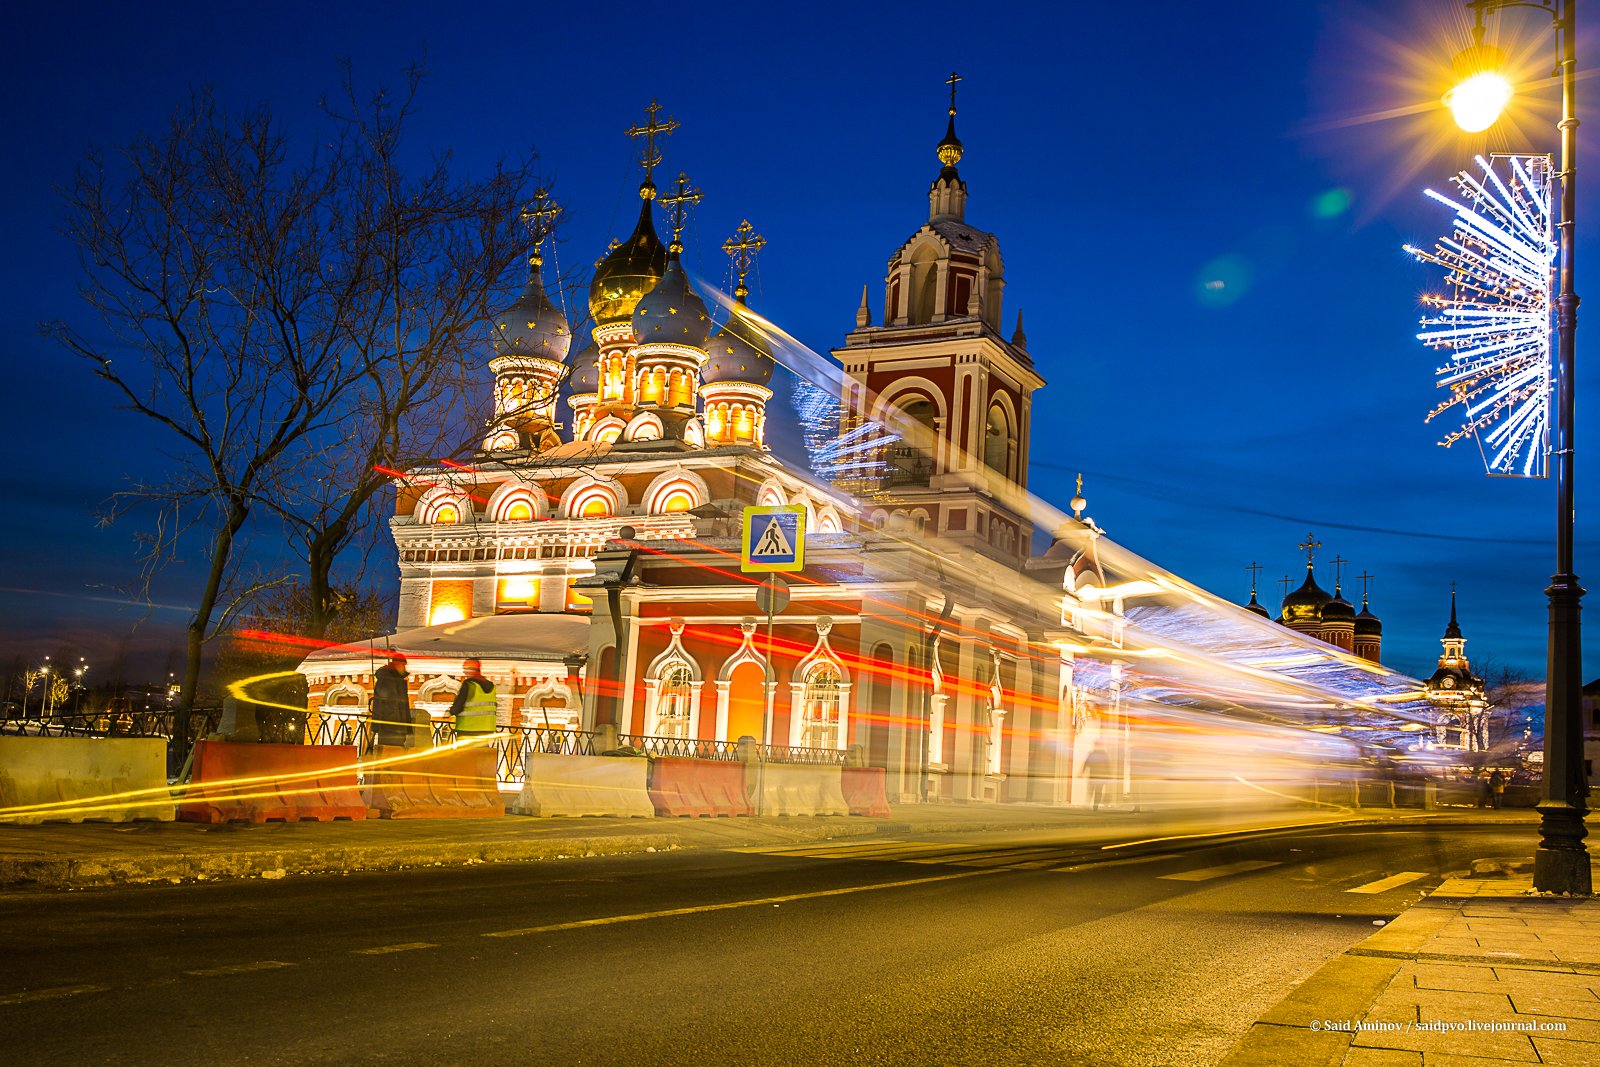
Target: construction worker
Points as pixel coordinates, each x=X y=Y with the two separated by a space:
x=474 y=706
x=391 y=704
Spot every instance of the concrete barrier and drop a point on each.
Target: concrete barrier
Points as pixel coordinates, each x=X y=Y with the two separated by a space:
x=270 y=783
x=801 y=789
x=77 y=779
x=447 y=783
x=680 y=786
x=584 y=785
x=863 y=791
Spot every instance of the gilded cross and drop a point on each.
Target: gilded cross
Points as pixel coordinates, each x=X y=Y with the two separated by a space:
x=1364 y=578
x=650 y=157
x=677 y=205
x=951 y=81
x=1309 y=546
x=742 y=248
x=1338 y=571
x=540 y=219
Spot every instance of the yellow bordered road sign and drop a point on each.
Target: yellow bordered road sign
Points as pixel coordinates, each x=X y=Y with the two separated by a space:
x=774 y=539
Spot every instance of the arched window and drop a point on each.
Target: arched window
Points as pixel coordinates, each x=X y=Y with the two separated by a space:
x=674 y=704
x=924 y=280
x=676 y=501
x=595 y=507
x=909 y=463
x=447 y=515
x=820 y=726
x=519 y=511
x=997 y=440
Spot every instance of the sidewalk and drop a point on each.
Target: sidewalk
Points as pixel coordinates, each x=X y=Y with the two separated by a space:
x=71 y=856
x=1482 y=971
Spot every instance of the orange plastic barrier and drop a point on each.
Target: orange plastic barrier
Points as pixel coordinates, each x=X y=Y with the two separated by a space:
x=450 y=783
x=680 y=786
x=863 y=791
x=235 y=782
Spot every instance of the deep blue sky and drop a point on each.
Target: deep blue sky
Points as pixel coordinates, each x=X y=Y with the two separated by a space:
x=1123 y=163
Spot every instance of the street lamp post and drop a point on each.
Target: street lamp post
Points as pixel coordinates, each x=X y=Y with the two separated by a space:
x=1561 y=864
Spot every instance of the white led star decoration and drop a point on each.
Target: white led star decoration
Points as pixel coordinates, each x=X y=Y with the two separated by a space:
x=1495 y=321
x=842 y=449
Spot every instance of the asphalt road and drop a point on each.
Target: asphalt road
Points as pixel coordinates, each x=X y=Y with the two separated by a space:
x=975 y=950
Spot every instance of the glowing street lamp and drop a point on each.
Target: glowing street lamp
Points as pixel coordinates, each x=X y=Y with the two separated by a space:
x=1561 y=863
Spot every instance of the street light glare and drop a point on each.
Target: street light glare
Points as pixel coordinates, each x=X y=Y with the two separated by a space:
x=1477 y=102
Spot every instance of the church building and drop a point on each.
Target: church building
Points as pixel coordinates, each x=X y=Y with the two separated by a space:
x=596 y=572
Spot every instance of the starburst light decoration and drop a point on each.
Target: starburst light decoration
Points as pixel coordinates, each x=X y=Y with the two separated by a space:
x=841 y=449
x=1494 y=315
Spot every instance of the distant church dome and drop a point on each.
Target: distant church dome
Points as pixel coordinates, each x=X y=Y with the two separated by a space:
x=1305 y=604
x=1338 y=609
x=532 y=326
x=1367 y=624
x=672 y=312
x=629 y=270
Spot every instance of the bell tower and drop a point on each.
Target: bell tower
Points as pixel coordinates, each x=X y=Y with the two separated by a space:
x=939 y=374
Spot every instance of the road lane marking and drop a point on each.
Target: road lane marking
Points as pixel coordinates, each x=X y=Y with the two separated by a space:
x=699 y=909
x=874 y=849
x=238 y=968
x=51 y=994
x=1205 y=874
x=1128 y=862
x=409 y=946
x=1394 y=881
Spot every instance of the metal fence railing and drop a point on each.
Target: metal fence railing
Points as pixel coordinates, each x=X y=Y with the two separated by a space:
x=686 y=747
x=153 y=723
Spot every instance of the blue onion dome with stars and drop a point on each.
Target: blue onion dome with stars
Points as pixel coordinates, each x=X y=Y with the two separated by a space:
x=672 y=312
x=532 y=326
x=586 y=370
x=739 y=351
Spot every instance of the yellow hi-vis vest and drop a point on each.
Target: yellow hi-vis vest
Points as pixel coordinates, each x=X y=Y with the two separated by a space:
x=477 y=712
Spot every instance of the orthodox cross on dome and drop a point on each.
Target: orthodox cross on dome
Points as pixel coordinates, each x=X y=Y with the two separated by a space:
x=741 y=249
x=1286 y=582
x=650 y=156
x=949 y=150
x=1338 y=571
x=1309 y=546
x=540 y=219
x=677 y=205
x=1254 y=569
x=1364 y=578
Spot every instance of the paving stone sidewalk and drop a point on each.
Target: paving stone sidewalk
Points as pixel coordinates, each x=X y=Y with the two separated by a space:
x=1481 y=971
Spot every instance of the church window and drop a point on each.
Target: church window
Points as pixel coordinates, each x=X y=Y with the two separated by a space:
x=578 y=599
x=909 y=464
x=997 y=441
x=676 y=501
x=924 y=278
x=819 y=724
x=447 y=515
x=672 y=716
x=519 y=511
x=595 y=507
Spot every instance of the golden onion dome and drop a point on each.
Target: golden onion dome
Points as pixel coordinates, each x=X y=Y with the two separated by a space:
x=629 y=271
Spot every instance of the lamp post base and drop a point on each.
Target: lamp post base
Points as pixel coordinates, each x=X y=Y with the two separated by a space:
x=1561 y=862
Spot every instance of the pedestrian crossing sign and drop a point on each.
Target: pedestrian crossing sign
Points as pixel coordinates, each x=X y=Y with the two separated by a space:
x=774 y=539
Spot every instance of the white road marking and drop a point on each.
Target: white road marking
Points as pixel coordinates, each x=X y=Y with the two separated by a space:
x=1116 y=863
x=1394 y=881
x=1205 y=874
x=610 y=920
x=381 y=950
x=874 y=849
x=239 y=968
x=51 y=994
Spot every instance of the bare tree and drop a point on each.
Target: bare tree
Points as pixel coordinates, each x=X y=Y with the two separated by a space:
x=446 y=251
x=251 y=278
